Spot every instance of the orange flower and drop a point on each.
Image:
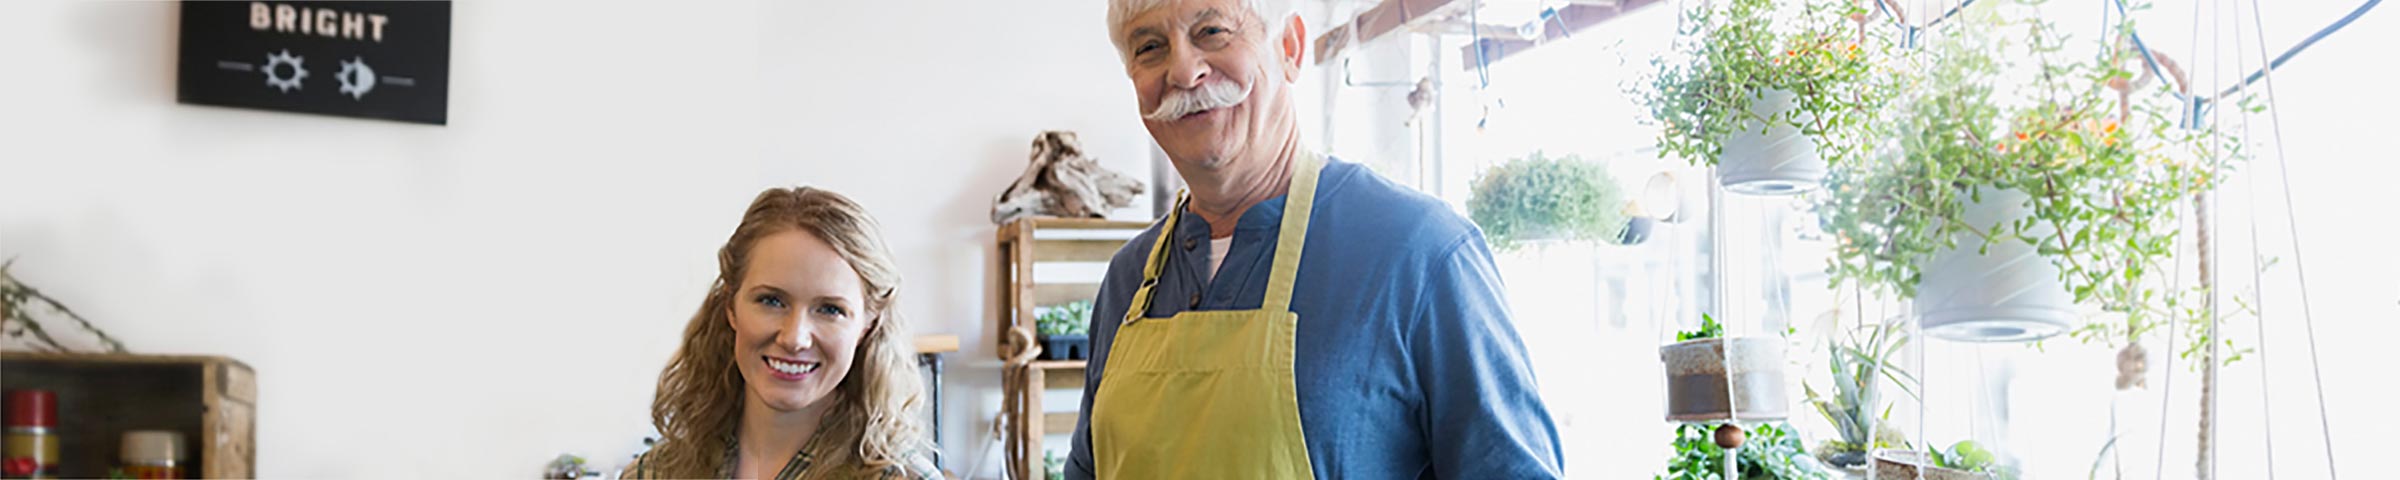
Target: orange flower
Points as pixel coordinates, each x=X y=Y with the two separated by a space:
x=2000 y=147
x=2110 y=128
x=2021 y=136
x=1791 y=53
x=1854 y=46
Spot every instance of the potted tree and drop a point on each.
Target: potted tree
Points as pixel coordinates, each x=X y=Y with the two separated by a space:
x=1538 y=198
x=1998 y=220
x=1770 y=96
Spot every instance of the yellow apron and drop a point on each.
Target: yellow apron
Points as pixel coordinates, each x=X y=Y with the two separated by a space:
x=1208 y=394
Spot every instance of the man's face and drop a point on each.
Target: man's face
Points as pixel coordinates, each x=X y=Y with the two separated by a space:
x=1212 y=84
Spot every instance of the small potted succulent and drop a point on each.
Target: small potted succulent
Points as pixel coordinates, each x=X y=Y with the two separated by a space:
x=1768 y=92
x=1065 y=330
x=1539 y=198
x=1999 y=219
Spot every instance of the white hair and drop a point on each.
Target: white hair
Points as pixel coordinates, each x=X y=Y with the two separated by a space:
x=1274 y=14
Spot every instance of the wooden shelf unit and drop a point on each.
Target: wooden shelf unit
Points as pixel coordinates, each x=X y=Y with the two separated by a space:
x=1022 y=244
x=212 y=401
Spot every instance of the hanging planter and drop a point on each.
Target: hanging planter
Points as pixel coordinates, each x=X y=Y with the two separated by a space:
x=1703 y=387
x=2002 y=219
x=1637 y=230
x=1715 y=379
x=1771 y=157
x=1769 y=92
x=1996 y=291
x=1538 y=199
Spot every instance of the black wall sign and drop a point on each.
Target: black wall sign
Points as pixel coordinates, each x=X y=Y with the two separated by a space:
x=387 y=60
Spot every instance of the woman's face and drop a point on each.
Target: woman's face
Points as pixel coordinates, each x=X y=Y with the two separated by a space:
x=797 y=317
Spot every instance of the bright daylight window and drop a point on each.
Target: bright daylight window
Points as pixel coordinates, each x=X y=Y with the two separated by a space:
x=2077 y=402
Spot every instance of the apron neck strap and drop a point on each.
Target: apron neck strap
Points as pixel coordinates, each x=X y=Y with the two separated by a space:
x=1290 y=238
x=1294 y=233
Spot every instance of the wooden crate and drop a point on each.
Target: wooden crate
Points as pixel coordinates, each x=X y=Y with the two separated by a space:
x=1023 y=244
x=211 y=400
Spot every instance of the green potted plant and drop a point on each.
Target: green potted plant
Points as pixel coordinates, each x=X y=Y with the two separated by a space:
x=1861 y=358
x=1769 y=94
x=1065 y=330
x=1771 y=452
x=1538 y=198
x=1711 y=378
x=1965 y=460
x=1999 y=220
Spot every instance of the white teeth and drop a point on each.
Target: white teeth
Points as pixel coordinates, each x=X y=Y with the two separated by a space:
x=790 y=368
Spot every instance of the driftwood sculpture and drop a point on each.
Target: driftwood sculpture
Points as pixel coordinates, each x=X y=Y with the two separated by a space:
x=1061 y=182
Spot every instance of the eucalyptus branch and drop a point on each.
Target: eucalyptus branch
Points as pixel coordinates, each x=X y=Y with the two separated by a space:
x=17 y=293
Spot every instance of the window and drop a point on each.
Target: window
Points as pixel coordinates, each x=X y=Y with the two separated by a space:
x=1593 y=315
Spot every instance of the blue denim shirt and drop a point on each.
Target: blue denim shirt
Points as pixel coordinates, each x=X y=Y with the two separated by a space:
x=1407 y=362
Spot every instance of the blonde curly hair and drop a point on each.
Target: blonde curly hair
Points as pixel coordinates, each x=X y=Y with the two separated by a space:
x=877 y=422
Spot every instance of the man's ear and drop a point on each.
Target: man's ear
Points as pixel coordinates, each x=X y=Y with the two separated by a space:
x=1295 y=47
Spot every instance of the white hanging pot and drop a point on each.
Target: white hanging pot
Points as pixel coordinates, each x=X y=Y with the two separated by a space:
x=1699 y=388
x=1780 y=161
x=2007 y=293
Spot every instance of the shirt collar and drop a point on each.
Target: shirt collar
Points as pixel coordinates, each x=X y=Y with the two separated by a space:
x=1266 y=215
x=791 y=469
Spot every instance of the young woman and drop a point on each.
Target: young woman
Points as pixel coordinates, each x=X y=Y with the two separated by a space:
x=795 y=366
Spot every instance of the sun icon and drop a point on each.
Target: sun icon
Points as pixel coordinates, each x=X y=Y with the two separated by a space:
x=356 y=77
x=285 y=84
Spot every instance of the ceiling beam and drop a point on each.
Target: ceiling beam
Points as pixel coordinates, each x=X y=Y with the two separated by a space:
x=1383 y=19
x=1570 y=19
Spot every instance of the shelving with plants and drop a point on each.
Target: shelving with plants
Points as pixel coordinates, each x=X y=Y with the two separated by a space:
x=1769 y=92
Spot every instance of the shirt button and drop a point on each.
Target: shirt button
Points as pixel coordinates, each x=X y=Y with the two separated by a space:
x=1195 y=301
x=1189 y=244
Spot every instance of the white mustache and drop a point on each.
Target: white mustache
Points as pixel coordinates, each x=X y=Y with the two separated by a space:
x=1207 y=96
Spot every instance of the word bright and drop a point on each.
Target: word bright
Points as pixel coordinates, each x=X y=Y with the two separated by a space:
x=325 y=22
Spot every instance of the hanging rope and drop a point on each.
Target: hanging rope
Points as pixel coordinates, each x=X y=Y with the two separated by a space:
x=2205 y=467
x=2210 y=401
x=1014 y=376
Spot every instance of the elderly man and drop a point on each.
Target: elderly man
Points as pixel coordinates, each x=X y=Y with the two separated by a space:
x=1292 y=317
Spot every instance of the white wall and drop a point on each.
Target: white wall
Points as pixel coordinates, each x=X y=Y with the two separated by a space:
x=470 y=300
x=925 y=113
